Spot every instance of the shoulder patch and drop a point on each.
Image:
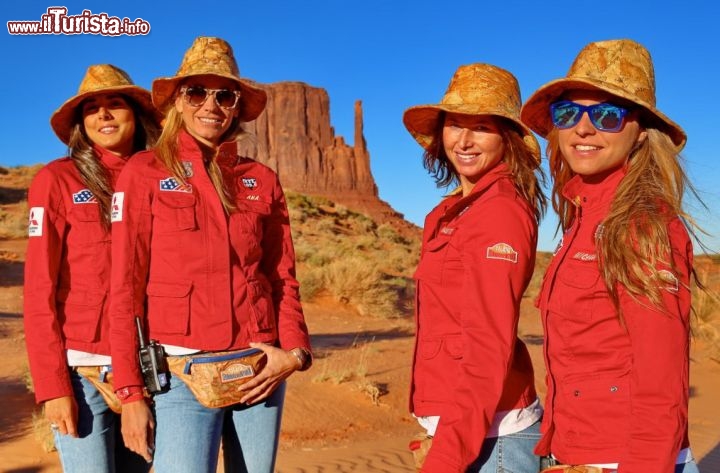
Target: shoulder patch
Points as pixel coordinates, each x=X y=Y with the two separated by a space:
x=84 y=196
x=35 y=221
x=502 y=251
x=116 y=208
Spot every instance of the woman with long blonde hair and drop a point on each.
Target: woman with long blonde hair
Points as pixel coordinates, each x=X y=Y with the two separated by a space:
x=615 y=300
x=203 y=257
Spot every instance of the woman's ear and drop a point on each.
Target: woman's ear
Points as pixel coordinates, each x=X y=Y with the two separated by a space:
x=178 y=103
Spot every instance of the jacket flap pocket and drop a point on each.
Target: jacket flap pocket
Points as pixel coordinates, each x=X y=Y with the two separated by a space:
x=169 y=289
x=176 y=200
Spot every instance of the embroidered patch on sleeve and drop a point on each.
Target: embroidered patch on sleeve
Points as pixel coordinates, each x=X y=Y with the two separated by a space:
x=84 y=197
x=116 y=209
x=171 y=184
x=502 y=251
x=671 y=281
x=35 y=222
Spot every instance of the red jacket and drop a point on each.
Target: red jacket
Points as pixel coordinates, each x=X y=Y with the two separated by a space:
x=477 y=258
x=67 y=273
x=203 y=280
x=616 y=394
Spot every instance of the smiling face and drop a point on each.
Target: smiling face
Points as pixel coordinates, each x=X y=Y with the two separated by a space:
x=206 y=122
x=593 y=153
x=109 y=122
x=473 y=145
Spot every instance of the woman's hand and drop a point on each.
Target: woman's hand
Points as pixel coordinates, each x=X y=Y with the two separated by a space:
x=138 y=426
x=280 y=364
x=62 y=414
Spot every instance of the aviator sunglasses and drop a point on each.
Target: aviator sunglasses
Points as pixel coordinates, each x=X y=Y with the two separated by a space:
x=603 y=116
x=196 y=95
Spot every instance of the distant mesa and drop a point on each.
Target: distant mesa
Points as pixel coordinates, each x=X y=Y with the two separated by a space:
x=294 y=137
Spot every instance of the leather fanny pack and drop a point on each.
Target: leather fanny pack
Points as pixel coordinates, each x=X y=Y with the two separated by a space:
x=575 y=469
x=101 y=378
x=216 y=379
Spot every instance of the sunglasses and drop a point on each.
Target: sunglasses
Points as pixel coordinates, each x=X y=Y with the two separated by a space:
x=196 y=95
x=603 y=116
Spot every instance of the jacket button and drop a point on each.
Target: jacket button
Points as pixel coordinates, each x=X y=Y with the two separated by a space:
x=576 y=393
x=613 y=389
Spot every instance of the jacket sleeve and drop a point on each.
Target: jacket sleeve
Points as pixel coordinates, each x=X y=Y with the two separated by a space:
x=659 y=380
x=43 y=336
x=493 y=285
x=278 y=264
x=131 y=231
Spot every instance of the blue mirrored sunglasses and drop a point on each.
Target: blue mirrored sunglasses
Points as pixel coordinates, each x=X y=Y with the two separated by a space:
x=603 y=116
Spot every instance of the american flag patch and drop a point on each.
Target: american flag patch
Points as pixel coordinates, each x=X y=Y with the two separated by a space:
x=35 y=222
x=502 y=251
x=84 y=197
x=249 y=182
x=171 y=184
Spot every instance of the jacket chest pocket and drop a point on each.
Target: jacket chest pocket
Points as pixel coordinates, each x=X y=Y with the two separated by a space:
x=174 y=212
x=440 y=261
x=249 y=217
x=86 y=224
x=576 y=287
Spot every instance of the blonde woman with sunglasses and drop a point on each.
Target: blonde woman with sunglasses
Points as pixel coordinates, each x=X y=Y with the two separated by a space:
x=615 y=300
x=67 y=268
x=204 y=258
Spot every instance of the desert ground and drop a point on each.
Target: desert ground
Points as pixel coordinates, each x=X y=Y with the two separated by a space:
x=347 y=414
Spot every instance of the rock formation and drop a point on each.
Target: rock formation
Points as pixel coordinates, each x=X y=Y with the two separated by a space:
x=294 y=137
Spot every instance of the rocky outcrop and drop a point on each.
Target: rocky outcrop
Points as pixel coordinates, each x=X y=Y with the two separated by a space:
x=294 y=137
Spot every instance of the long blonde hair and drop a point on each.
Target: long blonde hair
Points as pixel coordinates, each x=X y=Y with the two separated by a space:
x=634 y=240
x=93 y=173
x=528 y=178
x=167 y=152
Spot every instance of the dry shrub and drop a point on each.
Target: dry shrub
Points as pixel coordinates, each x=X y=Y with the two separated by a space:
x=706 y=305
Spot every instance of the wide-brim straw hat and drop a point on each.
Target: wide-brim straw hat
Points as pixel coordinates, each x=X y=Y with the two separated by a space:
x=100 y=79
x=211 y=57
x=622 y=68
x=475 y=89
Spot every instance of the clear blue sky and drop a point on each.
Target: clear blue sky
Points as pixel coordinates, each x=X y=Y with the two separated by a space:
x=391 y=54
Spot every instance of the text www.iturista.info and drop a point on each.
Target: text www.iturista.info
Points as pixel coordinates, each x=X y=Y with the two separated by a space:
x=57 y=21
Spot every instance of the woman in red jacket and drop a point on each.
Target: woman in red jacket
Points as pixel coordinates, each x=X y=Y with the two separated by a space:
x=67 y=269
x=615 y=300
x=472 y=381
x=202 y=253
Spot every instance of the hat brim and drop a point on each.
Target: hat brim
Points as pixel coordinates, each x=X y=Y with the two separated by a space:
x=422 y=121
x=252 y=99
x=536 y=111
x=64 y=118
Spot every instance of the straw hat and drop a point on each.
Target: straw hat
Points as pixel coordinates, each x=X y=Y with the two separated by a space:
x=475 y=89
x=214 y=57
x=619 y=67
x=100 y=79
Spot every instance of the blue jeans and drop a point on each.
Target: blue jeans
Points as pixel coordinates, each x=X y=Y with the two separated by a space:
x=187 y=437
x=690 y=467
x=98 y=447
x=510 y=453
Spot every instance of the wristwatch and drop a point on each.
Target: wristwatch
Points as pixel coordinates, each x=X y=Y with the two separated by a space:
x=129 y=391
x=303 y=356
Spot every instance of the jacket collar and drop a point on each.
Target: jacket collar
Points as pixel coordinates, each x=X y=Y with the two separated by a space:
x=190 y=150
x=589 y=196
x=455 y=202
